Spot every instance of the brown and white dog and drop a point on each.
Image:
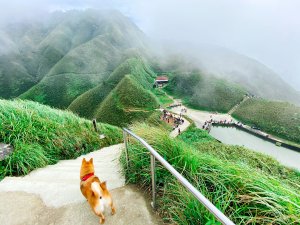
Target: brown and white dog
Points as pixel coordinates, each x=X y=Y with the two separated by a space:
x=94 y=191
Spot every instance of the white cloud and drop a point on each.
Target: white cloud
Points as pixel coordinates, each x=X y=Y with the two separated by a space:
x=267 y=30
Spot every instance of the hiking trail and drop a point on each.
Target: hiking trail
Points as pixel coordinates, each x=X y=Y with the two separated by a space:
x=51 y=195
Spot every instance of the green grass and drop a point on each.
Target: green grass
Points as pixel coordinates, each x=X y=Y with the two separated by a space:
x=204 y=92
x=203 y=142
x=194 y=135
x=61 y=90
x=89 y=102
x=244 y=192
x=128 y=102
x=281 y=119
x=77 y=53
x=162 y=97
x=41 y=135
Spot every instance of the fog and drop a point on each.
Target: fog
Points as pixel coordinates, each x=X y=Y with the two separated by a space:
x=266 y=30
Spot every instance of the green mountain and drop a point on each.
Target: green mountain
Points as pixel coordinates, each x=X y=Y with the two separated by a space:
x=281 y=119
x=86 y=104
x=205 y=92
x=66 y=54
x=127 y=102
x=252 y=75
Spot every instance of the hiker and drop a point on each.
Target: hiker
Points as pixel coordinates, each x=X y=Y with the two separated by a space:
x=179 y=131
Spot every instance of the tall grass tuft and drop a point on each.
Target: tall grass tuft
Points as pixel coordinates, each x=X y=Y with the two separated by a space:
x=41 y=135
x=244 y=193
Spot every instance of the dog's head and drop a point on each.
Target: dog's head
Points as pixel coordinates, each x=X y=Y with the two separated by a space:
x=86 y=167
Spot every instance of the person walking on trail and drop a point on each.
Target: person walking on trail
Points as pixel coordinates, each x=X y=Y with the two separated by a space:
x=179 y=131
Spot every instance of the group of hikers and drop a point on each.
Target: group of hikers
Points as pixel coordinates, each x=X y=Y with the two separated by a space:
x=174 y=105
x=208 y=123
x=173 y=119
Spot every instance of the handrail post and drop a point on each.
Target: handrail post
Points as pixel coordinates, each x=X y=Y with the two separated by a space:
x=95 y=125
x=126 y=148
x=153 y=203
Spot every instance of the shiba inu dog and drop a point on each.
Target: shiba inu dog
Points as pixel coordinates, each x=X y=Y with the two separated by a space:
x=94 y=191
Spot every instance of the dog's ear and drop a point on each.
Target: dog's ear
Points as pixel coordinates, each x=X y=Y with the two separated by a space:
x=103 y=185
x=91 y=160
x=83 y=160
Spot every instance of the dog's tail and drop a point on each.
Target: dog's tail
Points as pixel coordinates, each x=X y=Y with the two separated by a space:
x=96 y=189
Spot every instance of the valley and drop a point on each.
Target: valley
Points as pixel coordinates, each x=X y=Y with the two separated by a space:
x=60 y=73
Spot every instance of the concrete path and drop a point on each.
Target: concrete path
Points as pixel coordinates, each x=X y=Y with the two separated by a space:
x=51 y=195
x=20 y=208
x=199 y=117
x=182 y=128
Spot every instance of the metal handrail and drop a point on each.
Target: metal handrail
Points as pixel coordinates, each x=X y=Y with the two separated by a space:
x=154 y=155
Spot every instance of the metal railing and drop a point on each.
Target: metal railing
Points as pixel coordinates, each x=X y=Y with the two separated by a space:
x=154 y=155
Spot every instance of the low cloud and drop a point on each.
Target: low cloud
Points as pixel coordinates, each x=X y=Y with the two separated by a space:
x=266 y=30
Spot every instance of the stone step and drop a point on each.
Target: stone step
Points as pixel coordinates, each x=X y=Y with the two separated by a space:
x=51 y=181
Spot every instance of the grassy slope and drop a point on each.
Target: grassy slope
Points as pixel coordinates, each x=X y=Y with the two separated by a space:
x=127 y=102
x=80 y=52
x=207 y=93
x=88 y=103
x=203 y=142
x=42 y=44
x=240 y=188
x=162 y=97
x=278 y=118
x=80 y=70
x=41 y=135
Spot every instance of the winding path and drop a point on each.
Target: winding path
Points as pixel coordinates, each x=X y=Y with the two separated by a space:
x=51 y=195
x=198 y=116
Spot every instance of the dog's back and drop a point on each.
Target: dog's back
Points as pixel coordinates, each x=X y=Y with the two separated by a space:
x=94 y=191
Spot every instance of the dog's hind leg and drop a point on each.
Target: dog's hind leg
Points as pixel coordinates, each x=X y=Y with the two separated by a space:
x=102 y=218
x=113 y=209
x=112 y=206
x=98 y=210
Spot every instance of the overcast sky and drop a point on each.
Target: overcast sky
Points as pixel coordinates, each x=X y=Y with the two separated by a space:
x=267 y=30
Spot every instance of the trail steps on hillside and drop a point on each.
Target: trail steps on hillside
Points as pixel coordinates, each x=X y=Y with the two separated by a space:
x=136 y=110
x=237 y=105
x=51 y=195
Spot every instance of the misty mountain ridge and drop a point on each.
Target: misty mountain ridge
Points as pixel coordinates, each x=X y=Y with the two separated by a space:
x=88 y=43
x=224 y=63
x=58 y=58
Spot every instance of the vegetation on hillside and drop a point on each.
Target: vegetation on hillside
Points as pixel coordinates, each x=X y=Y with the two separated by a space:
x=281 y=119
x=202 y=141
x=41 y=135
x=63 y=55
x=60 y=90
x=89 y=102
x=206 y=93
x=239 y=187
x=128 y=102
x=163 y=99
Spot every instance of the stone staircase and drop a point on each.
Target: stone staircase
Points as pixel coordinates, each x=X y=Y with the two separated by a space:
x=237 y=105
x=54 y=190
